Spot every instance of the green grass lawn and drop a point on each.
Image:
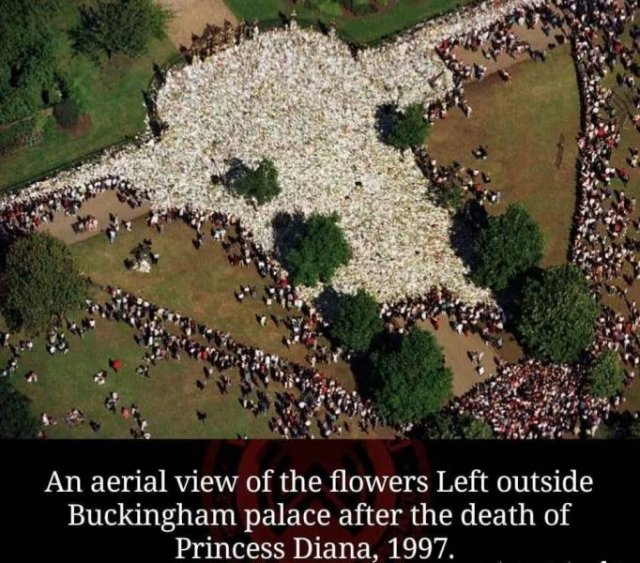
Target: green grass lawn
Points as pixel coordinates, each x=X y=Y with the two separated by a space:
x=198 y=283
x=168 y=399
x=522 y=123
x=114 y=100
x=399 y=15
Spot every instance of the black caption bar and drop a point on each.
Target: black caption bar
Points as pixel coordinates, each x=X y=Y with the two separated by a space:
x=375 y=501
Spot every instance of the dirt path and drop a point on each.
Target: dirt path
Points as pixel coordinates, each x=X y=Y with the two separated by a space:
x=99 y=207
x=192 y=16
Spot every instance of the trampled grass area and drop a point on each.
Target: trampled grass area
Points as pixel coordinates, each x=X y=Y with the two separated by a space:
x=114 y=97
x=522 y=124
x=397 y=16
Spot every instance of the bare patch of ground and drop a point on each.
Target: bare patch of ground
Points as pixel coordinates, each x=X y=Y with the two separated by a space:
x=527 y=125
x=535 y=37
x=192 y=16
x=81 y=128
x=457 y=352
x=100 y=207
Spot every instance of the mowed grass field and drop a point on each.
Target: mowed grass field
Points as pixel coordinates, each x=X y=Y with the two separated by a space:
x=114 y=100
x=168 y=399
x=522 y=123
x=396 y=16
x=198 y=283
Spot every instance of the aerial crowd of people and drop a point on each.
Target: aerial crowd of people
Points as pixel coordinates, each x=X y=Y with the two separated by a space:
x=528 y=399
x=304 y=399
x=531 y=399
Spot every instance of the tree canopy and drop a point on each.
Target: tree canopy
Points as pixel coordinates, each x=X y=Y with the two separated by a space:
x=40 y=281
x=260 y=183
x=509 y=245
x=318 y=251
x=16 y=418
x=410 y=380
x=605 y=375
x=557 y=314
x=357 y=321
x=119 y=26
x=409 y=128
x=446 y=425
x=27 y=56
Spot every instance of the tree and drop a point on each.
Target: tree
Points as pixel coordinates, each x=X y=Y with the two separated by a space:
x=27 y=56
x=605 y=375
x=410 y=380
x=318 y=251
x=447 y=425
x=409 y=128
x=260 y=183
x=357 y=321
x=119 y=26
x=508 y=246
x=40 y=281
x=557 y=314
x=16 y=419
